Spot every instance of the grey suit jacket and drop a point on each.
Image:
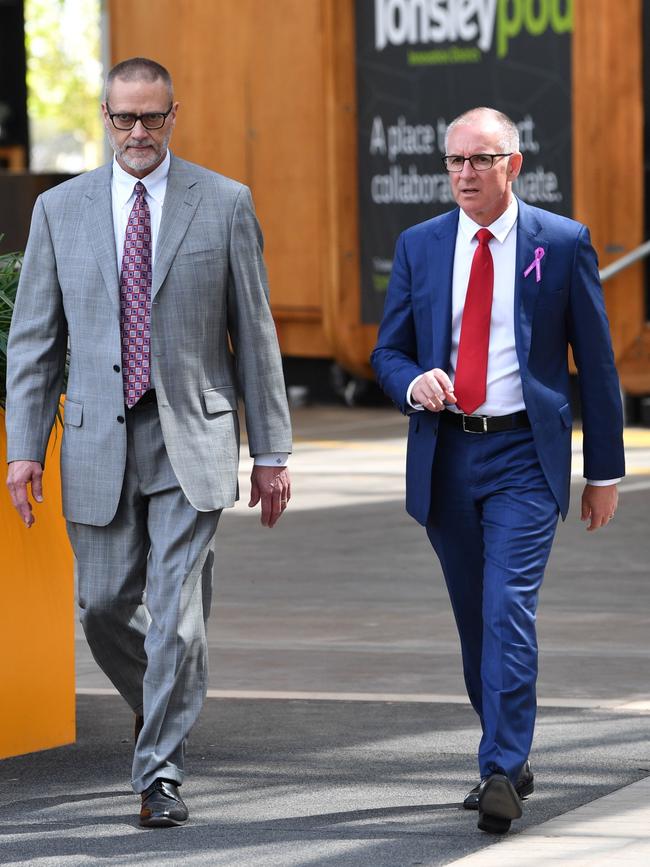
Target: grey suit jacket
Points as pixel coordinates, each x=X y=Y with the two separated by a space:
x=209 y=286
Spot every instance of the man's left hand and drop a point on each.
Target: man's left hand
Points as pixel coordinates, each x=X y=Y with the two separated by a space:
x=599 y=505
x=271 y=486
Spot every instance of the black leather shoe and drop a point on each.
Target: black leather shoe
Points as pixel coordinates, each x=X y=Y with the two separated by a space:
x=162 y=806
x=137 y=727
x=498 y=804
x=524 y=786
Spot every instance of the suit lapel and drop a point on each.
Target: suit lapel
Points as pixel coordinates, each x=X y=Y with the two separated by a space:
x=181 y=200
x=98 y=215
x=530 y=236
x=440 y=260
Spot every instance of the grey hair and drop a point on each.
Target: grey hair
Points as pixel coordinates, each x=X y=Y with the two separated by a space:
x=509 y=141
x=138 y=69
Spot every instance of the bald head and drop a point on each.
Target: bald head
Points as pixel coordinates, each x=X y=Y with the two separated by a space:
x=508 y=134
x=139 y=69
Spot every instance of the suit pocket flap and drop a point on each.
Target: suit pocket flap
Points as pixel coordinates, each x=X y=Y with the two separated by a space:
x=565 y=415
x=222 y=399
x=200 y=254
x=73 y=412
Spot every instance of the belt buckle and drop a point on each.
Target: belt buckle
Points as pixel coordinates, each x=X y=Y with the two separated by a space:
x=482 y=418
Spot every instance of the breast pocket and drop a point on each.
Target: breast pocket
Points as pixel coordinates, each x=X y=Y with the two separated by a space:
x=200 y=270
x=200 y=255
x=553 y=298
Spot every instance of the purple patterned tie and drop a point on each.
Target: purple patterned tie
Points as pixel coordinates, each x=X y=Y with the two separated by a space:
x=135 y=299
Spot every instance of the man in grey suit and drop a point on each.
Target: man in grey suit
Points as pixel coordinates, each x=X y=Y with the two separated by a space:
x=150 y=269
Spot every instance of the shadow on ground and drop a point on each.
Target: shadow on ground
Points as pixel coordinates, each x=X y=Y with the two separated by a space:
x=301 y=783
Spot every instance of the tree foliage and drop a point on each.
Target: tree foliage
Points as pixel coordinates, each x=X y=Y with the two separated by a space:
x=9 y=273
x=64 y=70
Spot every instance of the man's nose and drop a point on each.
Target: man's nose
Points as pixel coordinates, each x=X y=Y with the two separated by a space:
x=139 y=130
x=467 y=171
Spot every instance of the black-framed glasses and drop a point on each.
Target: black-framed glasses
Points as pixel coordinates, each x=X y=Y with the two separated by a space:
x=479 y=162
x=124 y=120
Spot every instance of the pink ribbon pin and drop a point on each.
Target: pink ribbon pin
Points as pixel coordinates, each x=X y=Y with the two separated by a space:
x=539 y=255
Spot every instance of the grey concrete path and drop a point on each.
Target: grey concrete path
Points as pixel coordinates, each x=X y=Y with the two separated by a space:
x=337 y=731
x=277 y=783
x=612 y=830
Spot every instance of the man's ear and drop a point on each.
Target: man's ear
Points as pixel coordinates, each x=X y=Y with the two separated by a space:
x=105 y=116
x=515 y=162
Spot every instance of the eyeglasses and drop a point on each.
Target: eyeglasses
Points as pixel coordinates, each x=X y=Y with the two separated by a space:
x=150 y=120
x=479 y=162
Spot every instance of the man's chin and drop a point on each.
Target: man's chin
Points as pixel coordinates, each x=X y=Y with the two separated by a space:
x=140 y=162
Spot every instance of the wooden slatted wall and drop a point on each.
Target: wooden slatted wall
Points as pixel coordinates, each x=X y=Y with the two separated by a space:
x=267 y=94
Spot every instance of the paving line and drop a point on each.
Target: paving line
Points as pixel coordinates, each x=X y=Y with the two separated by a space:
x=619 y=704
x=633 y=438
x=327 y=470
x=634 y=486
x=360 y=445
x=317 y=469
x=637 y=437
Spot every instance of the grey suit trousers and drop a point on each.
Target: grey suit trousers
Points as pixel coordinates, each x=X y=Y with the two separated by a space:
x=145 y=584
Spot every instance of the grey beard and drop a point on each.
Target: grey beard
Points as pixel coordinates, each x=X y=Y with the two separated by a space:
x=129 y=156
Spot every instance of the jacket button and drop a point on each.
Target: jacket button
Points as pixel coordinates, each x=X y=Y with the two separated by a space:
x=116 y=368
x=120 y=418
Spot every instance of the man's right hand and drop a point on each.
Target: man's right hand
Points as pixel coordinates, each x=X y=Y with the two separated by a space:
x=20 y=475
x=433 y=390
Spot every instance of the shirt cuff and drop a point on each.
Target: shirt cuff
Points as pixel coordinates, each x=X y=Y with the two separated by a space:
x=417 y=406
x=271 y=459
x=601 y=483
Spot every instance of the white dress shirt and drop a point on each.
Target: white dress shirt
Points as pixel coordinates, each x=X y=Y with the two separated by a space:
x=503 y=394
x=123 y=198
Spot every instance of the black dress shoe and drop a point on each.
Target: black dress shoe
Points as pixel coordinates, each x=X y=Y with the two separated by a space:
x=498 y=804
x=524 y=786
x=162 y=806
x=137 y=727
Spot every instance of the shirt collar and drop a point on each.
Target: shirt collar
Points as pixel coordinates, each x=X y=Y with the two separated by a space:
x=499 y=228
x=155 y=182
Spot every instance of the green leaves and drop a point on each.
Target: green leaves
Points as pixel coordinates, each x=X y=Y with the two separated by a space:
x=10 y=264
x=64 y=83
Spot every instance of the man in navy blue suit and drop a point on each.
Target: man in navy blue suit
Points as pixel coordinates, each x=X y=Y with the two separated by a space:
x=482 y=306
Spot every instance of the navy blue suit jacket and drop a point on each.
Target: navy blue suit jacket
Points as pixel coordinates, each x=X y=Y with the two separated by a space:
x=565 y=308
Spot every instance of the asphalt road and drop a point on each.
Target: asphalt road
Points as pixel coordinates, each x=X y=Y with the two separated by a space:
x=336 y=731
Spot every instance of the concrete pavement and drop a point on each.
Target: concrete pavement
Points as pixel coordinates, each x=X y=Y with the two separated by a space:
x=610 y=830
x=290 y=783
x=337 y=731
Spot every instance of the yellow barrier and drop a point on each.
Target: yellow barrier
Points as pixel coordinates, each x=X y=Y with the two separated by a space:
x=37 y=683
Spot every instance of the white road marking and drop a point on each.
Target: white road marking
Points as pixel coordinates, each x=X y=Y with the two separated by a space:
x=621 y=704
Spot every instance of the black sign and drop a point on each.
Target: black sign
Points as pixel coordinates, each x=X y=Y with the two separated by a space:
x=13 y=89
x=421 y=63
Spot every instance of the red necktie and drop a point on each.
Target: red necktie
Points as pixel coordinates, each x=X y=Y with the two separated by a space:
x=471 y=366
x=135 y=299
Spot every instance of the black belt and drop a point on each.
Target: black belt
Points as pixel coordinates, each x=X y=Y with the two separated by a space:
x=147 y=399
x=485 y=423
